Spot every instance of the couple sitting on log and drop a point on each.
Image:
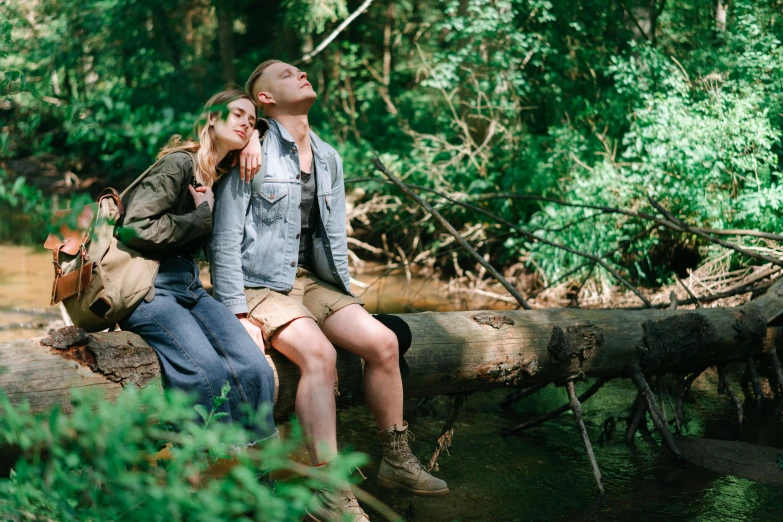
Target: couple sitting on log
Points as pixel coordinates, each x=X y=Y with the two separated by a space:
x=278 y=256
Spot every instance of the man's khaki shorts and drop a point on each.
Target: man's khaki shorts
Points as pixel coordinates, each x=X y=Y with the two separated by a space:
x=310 y=297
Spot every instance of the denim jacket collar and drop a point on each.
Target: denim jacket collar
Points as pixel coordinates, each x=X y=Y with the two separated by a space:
x=286 y=139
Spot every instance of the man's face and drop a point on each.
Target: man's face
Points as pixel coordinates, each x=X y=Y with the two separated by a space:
x=285 y=87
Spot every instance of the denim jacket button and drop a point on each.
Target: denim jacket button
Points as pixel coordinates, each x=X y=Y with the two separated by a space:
x=272 y=195
x=293 y=263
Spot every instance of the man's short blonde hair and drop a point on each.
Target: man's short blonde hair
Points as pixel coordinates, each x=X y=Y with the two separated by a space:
x=253 y=85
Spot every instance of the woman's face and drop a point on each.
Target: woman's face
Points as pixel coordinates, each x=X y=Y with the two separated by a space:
x=234 y=131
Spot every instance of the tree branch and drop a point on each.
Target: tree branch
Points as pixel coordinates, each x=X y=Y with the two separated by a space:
x=309 y=56
x=445 y=224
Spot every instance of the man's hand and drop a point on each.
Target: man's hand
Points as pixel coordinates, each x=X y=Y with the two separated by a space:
x=250 y=158
x=253 y=330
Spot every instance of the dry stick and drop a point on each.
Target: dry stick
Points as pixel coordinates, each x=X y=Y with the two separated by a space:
x=691 y=378
x=630 y=213
x=754 y=378
x=773 y=359
x=592 y=264
x=679 y=407
x=309 y=56
x=639 y=408
x=664 y=415
x=669 y=399
x=673 y=303
x=725 y=385
x=520 y=394
x=744 y=381
x=577 y=409
x=660 y=423
x=603 y=210
x=445 y=224
x=562 y=409
x=711 y=239
x=690 y=293
x=743 y=289
x=534 y=237
x=446 y=434
x=502 y=221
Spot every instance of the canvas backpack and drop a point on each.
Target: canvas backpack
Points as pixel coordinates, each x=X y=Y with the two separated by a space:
x=99 y=280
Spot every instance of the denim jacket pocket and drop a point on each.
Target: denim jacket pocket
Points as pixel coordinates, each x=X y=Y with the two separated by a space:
x=271 y=208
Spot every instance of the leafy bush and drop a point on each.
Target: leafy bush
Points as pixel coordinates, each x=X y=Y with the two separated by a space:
x=101 y=462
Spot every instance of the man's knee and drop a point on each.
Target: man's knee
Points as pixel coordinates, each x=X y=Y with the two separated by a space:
x=386 y=347
x=320 y=359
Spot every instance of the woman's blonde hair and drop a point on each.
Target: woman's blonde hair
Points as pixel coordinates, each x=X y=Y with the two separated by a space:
x=209 y=167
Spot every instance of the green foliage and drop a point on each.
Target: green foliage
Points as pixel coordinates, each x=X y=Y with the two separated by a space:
x=101 y=462
x=307 y=16
x=594 y=102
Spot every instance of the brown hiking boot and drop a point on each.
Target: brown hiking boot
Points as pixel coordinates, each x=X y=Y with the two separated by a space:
x=337 y=506
x=402 y=470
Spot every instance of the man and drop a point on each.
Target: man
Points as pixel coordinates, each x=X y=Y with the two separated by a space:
x=279 y=261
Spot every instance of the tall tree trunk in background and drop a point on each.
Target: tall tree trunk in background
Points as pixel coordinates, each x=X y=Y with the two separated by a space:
x=225 y=18
x=720 y=15
x=387 y=58
x=653 y=17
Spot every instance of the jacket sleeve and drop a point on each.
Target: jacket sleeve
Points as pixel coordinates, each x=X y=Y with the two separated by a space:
x=338 y=234
x=149 y=223
x=232 y=200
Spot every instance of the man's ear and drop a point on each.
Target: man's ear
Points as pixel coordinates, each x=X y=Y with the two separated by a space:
x=265 y=98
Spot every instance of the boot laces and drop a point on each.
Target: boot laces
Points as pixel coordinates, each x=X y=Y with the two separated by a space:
x=351 y=504
x=401 y=447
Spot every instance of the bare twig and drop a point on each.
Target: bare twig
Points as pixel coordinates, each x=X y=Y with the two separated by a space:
x=754 y=378
x=534 y=237
x=577 y=409
x=446 y=434
x=562 y=409
x=655 y=414
x=345 y=23
x=724 y=385
x=773 y=359
x=638 y=411
x=445 y=224
x=690 y=293
x=680 y=402
x=711 y=239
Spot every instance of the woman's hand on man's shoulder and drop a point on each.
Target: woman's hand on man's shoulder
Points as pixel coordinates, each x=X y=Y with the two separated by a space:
x=250 y=158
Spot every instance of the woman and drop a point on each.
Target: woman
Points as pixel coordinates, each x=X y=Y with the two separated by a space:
x=200 y=343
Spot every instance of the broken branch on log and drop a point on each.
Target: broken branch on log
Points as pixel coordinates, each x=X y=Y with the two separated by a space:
x=725 y=385
x=576 y=407
x=447 y=433
x=660 y=423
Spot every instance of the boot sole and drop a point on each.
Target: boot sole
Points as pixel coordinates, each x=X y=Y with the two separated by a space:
x=388 y=484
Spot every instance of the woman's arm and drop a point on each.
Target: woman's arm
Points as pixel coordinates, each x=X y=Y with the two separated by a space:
x=149 y=223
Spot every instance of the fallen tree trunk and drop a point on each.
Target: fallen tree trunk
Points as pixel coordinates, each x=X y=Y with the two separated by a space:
x=451 y=352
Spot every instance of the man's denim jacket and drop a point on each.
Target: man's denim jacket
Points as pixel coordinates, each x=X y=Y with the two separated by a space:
x=256 y=225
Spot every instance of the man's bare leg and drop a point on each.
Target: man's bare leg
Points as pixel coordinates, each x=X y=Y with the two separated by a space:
x=356 y=331
x=305 y=345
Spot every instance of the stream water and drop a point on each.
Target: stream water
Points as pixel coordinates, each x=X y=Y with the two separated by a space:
x=541 y=475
